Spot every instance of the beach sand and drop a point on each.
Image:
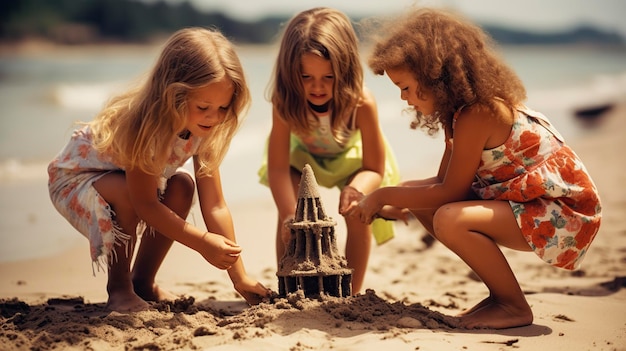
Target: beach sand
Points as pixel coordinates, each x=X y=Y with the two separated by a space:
x=56 y=303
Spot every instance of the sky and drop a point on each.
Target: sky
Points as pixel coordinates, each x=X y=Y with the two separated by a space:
x=542 y=15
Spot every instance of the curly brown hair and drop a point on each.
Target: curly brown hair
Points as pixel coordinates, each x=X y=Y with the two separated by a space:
x=450 y=57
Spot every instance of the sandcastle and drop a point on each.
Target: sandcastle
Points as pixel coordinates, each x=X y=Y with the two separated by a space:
x=312 y=262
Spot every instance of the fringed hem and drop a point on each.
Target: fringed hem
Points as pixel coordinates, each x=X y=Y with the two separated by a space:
x=106 y=253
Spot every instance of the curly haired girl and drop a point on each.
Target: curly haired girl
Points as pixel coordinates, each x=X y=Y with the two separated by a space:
x=506 y=177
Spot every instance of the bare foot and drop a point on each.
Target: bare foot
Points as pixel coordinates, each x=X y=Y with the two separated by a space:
x=126 y=302
x=488 y=300
x=153 y=292
x=496 y=315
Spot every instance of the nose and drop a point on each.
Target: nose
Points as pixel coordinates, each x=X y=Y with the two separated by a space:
x=318 y=83
x=214 y=116
x=403 y=95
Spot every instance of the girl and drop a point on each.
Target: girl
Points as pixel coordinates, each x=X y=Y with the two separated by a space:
x=323 y=116
x=120 y=174
x=506 y=176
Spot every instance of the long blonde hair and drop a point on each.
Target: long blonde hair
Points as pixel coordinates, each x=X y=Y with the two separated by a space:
x=137 y=128
x=329 y=34
x=450 y=57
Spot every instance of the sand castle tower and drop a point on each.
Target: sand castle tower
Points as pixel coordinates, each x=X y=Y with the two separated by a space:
x=311 y=262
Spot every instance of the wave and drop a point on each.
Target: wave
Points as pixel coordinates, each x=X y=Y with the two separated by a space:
x=14 y=170
x=601 y=89
x=248 y=144
x=83 y=96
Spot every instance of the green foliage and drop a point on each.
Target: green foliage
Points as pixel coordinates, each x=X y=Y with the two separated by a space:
x=93 y=21
x=76 y=21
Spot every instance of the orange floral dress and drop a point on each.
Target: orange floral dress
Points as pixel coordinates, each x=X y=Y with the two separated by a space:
x=553 y=198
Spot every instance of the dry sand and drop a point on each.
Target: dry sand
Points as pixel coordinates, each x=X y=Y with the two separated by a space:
x=56 y=303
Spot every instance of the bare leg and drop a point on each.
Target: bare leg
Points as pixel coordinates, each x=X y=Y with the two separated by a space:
x=426 y=218
x=122 y=297
x=153 y=248
x=473 y=230
x=280 y=245
x=358 y=247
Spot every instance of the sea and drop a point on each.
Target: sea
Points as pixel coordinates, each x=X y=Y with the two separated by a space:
x=43 y=93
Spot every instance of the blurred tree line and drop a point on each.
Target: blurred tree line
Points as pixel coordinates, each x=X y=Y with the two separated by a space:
x=97 y=21
x=84 y=21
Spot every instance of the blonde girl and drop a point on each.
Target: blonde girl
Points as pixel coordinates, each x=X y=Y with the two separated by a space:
x=323 y=116
x=121 y=174
x=506 y=177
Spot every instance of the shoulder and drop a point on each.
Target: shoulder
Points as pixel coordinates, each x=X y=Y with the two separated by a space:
x=490 y=125
x=366 y=108
x=499 y=113
x=367 y=98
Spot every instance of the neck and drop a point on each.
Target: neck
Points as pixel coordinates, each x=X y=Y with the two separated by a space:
x=185 y=134
x=320 y=108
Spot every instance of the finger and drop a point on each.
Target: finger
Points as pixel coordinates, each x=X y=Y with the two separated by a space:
x=231 y=259
x=352 y=211
x=230 y=242
x=233 y=250
x=350 y=207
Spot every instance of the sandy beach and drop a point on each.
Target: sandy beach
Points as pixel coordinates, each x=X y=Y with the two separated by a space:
x=56 y=302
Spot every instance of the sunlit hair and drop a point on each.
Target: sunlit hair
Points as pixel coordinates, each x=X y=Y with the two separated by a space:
x=449 y=57
x=329 y=34
x=138 y=128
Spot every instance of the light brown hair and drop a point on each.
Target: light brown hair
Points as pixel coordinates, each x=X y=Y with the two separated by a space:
x=138 y=127
x=329 y=34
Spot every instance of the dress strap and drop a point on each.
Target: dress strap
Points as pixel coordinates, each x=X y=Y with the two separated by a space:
x=541 y=119
x=456 y=116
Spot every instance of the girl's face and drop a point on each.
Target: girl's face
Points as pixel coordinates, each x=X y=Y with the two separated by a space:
x=410 y=90
x=207 y=106
x=317 y=79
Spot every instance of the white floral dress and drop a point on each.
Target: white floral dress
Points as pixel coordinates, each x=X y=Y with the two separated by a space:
x=71 y=176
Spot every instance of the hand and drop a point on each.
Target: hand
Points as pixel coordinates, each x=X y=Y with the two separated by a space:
x=285 y=231
x=393 y=213
x=366 y=209
x=252 y=291
x=219 y=251
x=348 y=199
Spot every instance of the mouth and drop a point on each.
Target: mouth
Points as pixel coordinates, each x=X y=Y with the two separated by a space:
x=204 y=128
x=318 y=96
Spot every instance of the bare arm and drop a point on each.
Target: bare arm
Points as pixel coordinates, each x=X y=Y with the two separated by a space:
x=457 y=170
x=142 y=189
x=369 y=177
x=218 y=220
x=279 y=168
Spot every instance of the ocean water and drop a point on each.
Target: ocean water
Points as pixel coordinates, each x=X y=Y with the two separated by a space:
x=42 y=94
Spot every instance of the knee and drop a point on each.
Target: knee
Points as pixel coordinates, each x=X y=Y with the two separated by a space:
x=181 y=185
x=445 y=222
x=357 y=230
